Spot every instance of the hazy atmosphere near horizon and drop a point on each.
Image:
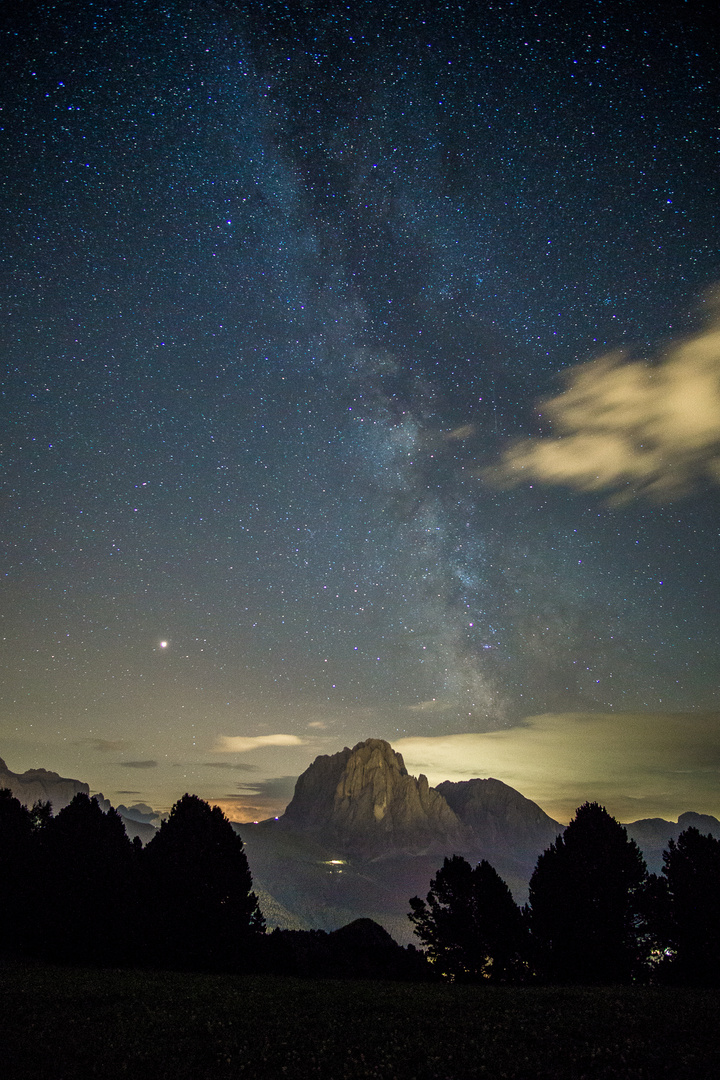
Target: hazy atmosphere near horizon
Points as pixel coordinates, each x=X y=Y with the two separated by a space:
x=361 y=378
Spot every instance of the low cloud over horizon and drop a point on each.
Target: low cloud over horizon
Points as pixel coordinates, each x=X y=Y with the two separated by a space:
x=630 y=428
x=636 y=764
x=266 y=798
x=241 y=744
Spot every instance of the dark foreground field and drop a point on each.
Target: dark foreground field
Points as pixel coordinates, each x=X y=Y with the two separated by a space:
x=61 y=1024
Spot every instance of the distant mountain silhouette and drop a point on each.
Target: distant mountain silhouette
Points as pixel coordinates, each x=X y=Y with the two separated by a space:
x=652 y=834
x=500 y=817
x=41 y=785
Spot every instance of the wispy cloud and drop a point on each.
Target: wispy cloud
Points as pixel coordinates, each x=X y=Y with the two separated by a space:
x=240 y=766
x=105 y=746
x=275 y=787
x=630 y=428
x=148 y=764
x=241 y=744
x=432 y=706
x=465 y=431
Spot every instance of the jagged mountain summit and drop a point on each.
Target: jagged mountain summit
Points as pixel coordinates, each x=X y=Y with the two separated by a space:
x=39 y=785
x=365 y=801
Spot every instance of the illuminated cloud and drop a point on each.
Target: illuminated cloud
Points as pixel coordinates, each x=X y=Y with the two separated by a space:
x=266 y=799
x=465 y=431
x=240 y=744
x=637 y=764
x=630 y=428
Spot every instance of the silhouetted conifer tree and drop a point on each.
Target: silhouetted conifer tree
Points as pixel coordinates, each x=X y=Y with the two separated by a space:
x=84 y=886
x=16 y=832
x=470 y=924
x=586 y=903
x=41 y=814
x=692 y=871
x=202 y=912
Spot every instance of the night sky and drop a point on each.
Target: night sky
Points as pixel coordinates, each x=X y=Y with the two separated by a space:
x=299 y=440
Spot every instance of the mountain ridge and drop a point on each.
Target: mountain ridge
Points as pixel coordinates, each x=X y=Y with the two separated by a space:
x=43 y=785
x=361 y=835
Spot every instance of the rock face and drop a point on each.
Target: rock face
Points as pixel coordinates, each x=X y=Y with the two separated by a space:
x=39 y=784
x=500 y=817
x=365 y=801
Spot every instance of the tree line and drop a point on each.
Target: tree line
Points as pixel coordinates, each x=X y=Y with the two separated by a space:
x=594 y=915
x=75 y=889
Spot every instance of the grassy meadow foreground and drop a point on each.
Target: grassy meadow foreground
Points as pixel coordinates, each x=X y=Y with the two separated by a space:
x=74 y=1023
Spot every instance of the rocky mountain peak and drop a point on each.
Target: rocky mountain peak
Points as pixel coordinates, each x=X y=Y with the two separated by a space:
x=500 y=817
x=41 y=785
x=368 y=802
x=704 y=823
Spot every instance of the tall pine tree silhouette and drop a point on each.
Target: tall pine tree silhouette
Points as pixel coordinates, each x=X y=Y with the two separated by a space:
x=470 y=924
x=692 y=873
x=203 y=913
x=86 y=870
x=16 y=835
x=586 y=902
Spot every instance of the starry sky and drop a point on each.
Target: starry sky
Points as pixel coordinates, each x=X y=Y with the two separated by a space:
x=361 y=377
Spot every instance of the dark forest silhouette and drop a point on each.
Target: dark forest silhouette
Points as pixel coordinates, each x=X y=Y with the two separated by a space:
x=595 y=916
x=74 y=889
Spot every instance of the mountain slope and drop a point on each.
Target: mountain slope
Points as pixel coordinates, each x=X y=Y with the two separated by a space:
x=499 y=816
